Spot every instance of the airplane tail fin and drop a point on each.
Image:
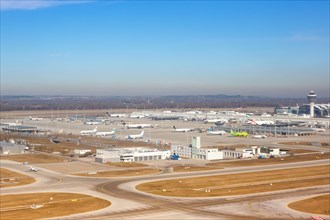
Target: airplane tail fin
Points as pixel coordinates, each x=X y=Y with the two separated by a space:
x=142 y=133
x=108 y=113
x=174 y=127
x=248 y=117
x=95 y=129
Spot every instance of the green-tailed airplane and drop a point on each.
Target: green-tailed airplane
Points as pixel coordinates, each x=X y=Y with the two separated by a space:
x=239 y=134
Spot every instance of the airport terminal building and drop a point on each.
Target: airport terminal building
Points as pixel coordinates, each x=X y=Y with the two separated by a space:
x=320 y=110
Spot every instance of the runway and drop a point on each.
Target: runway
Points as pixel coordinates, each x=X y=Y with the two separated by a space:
x=128 y=203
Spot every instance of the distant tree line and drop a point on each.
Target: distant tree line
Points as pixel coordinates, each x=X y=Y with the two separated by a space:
x=10 y=103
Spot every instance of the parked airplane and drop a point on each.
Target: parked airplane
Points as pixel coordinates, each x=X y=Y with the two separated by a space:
x=182 y=129
x=139 y=126
x=135 y=136
x=106 y=133
x=239 y=134
x=253 y=122
x=89 y=132
x=91 y=122
x=115 y=115
x=33 y=169
x=35 y=119
x=218 y=120
x=211 y=132
x=137 y=116
x=13 y=123
x=259 y=136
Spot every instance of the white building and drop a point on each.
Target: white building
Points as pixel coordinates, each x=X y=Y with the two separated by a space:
x=137 y=154
x=196 y=152
x=81 y=151
x=12 y=148
x=199 y=153
x=257 y=151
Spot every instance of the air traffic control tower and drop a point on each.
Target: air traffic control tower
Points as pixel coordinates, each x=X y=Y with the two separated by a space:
x=311 y=99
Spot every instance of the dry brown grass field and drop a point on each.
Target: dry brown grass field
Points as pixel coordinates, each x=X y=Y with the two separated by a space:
x=269 y=161
x=189 y=168
x=238 y=184
x=69 y=142
x=54 y=204
x=10 y=178
x=303 y=143
x=125 y=164
x=121 y=173
x=33 y=158
x=316 y=205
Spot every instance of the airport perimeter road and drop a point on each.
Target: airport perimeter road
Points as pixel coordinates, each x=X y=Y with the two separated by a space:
x=128 y=203
x=204 y=208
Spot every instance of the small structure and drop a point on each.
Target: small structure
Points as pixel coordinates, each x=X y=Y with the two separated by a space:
x=11 y=148
x=137 y=154
x=82 y=152
x=21 y=129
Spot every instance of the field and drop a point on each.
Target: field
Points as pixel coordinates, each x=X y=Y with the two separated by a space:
x=304 y=143
x=68 y=143
x=269 y=161
x=238 y=184
x=316 y=205
x=52 y=205
x=10 y=178
x=33 y=158
x=121 y=173
x=189 y=168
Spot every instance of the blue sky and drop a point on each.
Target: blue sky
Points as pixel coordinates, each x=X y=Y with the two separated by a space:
x=264 y=48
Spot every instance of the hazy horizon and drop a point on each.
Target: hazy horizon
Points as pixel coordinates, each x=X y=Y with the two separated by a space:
x=133 y=48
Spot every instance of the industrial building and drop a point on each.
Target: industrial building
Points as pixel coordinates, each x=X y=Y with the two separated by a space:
x=137 y=154
x=11 y=148
x=21 y=129
x=259 y=151
x=196 y=152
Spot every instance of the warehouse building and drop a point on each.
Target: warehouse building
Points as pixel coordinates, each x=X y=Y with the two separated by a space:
x=11 y=148
x=137 y=154
x=20 y=129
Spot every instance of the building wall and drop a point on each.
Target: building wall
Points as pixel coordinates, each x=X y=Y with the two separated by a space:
x=231 y=154
x=130 y=155
x=182 y=151
x=8 y=148
x=201 y=153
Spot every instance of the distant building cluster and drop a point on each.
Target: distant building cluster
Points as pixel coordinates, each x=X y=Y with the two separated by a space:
x=311 y=109
x=195 y=151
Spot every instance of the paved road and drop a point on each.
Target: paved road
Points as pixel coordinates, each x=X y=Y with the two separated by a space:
x=128 y=203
